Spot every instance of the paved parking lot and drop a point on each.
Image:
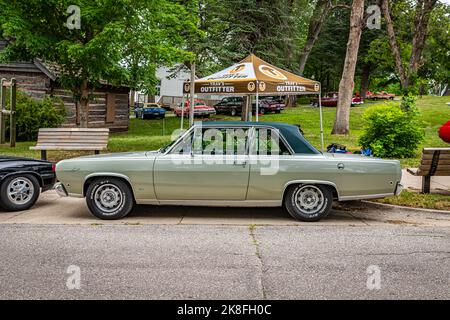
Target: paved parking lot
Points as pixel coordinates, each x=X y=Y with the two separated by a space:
x=223 y=253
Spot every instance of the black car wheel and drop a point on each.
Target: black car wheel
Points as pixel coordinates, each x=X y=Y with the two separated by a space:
x=109 y=198
x=277 y=111
x=262 y=111
x=233 y=112
x=308 y=202
x=19 y=192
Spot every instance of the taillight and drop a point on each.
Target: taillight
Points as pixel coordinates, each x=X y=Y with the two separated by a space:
x=54 y=167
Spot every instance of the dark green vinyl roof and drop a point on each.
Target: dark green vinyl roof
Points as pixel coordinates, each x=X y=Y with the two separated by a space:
x=290 y=132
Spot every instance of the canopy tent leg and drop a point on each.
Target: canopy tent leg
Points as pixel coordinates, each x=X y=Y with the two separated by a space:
x=182 y=111
x=192 y=97
x=257 y=103
x=321 y=121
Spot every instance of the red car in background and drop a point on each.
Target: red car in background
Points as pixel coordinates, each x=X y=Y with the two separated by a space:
x=382 y=95
x=200 y=109
x=331 y=100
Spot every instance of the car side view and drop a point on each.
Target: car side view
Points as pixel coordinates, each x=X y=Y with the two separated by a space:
x=21 y=181
x=229 y=164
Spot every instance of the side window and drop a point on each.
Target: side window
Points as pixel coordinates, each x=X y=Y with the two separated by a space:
x=220 y=141
x=269 y=142
x=214 y=141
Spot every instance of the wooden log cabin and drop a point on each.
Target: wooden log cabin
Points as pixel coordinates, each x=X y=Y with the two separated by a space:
x=108 y=107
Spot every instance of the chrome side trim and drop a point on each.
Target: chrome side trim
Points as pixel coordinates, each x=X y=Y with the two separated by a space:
x=106 y=174
x=213 y=203
x=363 y=197
x=147 y=201
x=329 y=183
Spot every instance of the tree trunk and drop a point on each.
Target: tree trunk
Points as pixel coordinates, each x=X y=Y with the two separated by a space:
x=246 y=107
x=315 y=25
x=364 y=80
x=291 y=101
x=341 y=123
x=421 y=19
x=394 y=45
x=84 y=104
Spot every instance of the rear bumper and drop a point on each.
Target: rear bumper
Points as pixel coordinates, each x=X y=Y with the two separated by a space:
x=398 y=189
x=60 y=190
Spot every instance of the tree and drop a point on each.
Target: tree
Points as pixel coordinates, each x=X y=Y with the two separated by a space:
x=341 y=123
x=120 y=41
x=408 y=71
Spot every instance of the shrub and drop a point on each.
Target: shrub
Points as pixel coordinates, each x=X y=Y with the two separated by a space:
x=34 y=114
x=391 y=131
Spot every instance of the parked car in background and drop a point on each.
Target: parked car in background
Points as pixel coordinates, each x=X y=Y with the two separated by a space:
x=150 y=111
x=382 y=95
x=331 y=100
x=22 y=180
x=269 y=105
x=200 y=109
x=233 y=105
x=254 y=164
x=229 y=105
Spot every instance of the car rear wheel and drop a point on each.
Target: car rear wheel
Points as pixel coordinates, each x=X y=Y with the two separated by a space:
x=233 y=112
x=109 y=198
x=308 y=202
x=19 y=192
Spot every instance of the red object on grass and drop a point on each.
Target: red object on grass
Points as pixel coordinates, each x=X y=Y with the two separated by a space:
x=444 y=132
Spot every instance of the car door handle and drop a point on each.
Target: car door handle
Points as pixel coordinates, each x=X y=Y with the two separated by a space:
x=236 y=163
x=340 y=166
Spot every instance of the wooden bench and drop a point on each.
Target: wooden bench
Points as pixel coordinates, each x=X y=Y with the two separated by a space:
x=435 y=162
x=71 y=139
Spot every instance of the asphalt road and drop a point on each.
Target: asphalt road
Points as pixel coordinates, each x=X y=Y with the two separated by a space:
x=224 y=261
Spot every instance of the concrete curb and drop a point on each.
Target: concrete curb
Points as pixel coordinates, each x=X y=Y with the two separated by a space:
x=393 y=206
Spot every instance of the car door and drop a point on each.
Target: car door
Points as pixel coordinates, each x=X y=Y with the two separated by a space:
x=201 y=167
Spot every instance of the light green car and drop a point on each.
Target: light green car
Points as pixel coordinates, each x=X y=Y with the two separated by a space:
x=255 y=164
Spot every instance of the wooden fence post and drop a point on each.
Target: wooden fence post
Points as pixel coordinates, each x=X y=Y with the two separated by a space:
x=12 y=122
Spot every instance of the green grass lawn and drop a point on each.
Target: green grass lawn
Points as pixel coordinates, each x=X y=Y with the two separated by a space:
x=152 y=134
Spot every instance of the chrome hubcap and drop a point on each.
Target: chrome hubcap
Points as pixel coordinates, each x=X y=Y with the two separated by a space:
x=309 y=199
x=108 y=198
x=20 y=190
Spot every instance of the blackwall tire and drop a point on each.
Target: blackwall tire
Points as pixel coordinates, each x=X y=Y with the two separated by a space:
x=109 y=198
x=19 y=192
x=308 y=202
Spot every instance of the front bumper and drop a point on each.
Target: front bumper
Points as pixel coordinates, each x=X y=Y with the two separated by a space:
x=60 y=190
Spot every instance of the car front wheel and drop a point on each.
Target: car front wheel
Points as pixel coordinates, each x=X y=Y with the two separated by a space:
x=308 y=202
x=19 y=192
x=233 y=112
x=109 y=198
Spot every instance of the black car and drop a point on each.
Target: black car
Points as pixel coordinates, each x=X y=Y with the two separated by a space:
x=229 y=105
x=21 y=181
